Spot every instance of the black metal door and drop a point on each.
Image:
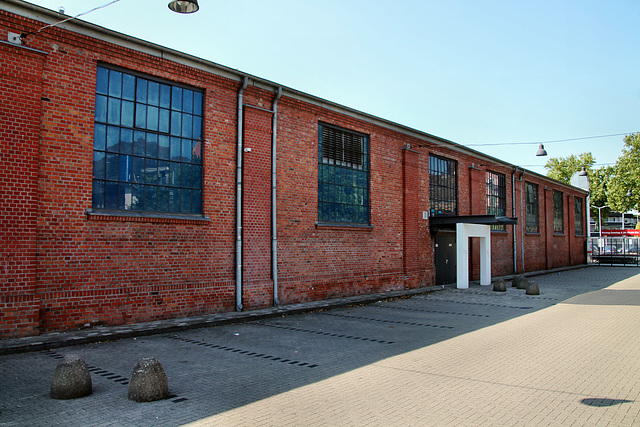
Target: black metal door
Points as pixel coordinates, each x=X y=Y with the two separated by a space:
x=445 y=258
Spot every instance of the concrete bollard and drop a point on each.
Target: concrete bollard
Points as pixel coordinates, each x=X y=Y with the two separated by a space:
x=520 y=282
x=499 y=286
x=533 y=288
x=148 y=381
x=71 y=379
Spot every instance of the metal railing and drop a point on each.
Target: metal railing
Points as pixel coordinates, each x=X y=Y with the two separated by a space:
x=623 y=250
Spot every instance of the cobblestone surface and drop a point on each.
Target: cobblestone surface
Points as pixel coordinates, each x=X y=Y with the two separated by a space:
x=453 y=357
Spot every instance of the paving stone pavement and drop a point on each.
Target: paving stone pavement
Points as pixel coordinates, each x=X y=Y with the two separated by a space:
x=453 y=357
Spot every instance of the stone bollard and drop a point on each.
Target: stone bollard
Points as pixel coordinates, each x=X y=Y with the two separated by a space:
x=499 y=286
x=533 y=288
x=520 y=282
x=148 y=381
x=71 y=379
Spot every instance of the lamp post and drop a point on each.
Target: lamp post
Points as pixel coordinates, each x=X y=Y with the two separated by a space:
x=184 y=6
x=600 y=218
x=541 y=151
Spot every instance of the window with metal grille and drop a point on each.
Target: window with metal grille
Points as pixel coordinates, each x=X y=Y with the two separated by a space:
x=531 y=206
x=443 y=186
x=558 y=212
x=579 y=224
x=343 y=176
x=496 y=197
x=147 y=149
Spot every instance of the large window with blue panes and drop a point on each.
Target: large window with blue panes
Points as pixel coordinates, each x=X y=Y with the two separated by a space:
x=343 y=176
x=147 y=145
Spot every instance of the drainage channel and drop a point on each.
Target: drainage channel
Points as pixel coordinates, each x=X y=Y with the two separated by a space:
x=246 y=352
x=110 y=375
x=481 y=304
x=491 y=294
x=420 y=310
x=326 y=334
x=397 y=322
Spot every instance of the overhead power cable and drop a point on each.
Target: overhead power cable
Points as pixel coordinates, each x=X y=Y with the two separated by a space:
x=24 y=35
x=548 y=142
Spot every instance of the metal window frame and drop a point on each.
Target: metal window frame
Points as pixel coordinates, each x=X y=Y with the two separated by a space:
x=341 y=211
x=443 y=186
x=195 y=192
x=532 y=208
x=496 y=197
x=579 y=216
x=558 y=212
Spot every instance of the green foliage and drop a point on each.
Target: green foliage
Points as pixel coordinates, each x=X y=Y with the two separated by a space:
x=598 y=181
x=617 y=187
x=626 y=177
x=563 y=168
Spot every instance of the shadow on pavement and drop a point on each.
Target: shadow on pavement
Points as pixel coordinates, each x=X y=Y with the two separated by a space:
x=217 y=369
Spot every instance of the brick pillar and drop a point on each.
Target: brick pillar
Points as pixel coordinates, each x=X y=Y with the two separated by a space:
x=547 y=214
x=257 y=281
x=477 y=196
x=411 y=213
x=570 y=230
x=20 y=112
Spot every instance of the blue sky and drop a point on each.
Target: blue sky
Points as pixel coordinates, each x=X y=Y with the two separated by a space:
x=471 y=71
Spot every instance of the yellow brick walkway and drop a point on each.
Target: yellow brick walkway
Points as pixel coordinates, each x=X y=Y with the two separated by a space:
x=573 y=364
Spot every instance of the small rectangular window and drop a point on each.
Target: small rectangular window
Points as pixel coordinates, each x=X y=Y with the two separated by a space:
x=558 y=212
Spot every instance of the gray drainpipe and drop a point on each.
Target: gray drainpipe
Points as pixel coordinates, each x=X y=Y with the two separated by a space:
x=274 y=205
x=239 y=158
x=513 y=208
x=522 y=219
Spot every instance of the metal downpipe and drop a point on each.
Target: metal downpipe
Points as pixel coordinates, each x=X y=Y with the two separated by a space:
x=522 y=219
x=239 y=160
x=513 y=209
x=274 y=204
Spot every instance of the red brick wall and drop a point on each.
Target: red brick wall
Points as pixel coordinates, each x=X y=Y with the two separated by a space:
x=257 y=281
x=411 y=211
x=20 y=93
x=109 y=270
x=93 y=269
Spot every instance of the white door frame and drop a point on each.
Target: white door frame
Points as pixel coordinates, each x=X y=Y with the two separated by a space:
x=463 y=232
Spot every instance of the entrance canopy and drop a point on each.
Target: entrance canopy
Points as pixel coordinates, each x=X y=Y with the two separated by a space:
x=437 y=221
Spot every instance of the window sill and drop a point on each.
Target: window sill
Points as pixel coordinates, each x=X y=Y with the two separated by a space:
x=532 y=233
x=343 y=225
x=121 y=216
x=558 y=234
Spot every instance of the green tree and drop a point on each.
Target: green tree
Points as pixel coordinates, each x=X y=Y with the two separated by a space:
x=563 y=168
x=598 y=181
x=623 y=189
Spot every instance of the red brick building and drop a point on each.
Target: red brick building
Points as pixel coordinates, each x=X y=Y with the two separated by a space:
x=141 y=183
